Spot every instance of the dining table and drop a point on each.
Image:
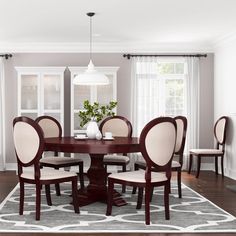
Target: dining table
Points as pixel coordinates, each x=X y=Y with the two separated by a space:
x=96 y=190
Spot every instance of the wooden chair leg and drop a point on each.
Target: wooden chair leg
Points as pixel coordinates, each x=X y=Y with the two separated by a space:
x=136 y=167
x=147 y=205
x=81 y=175
x=179 y=183
x=38 y=201
x=222 y=166
x=48 y=194
x=75 y=195
x=151 y=193
x=22 y=196
x=110 y=197
x=123 y=185
x=198 y=166
x=216 y=165
x=166 y=202
x=57 y=187
x=190 y=163
x=140 y=198
x=105 y=166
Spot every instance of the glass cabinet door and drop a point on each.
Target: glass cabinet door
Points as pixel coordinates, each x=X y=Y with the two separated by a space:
x=29 y=92
x=41 y=92
x=52 y=91
x=105 y=93
x=81 y=93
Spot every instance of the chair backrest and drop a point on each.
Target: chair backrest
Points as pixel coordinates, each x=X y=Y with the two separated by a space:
x=50 y=126
x=28 y=141
x=220 y=130
x=181 y=122
x=119 y=126
x=157 y=142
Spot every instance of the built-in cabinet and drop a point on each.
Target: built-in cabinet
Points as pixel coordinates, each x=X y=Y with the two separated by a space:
x=102 y=93
x=41 y=92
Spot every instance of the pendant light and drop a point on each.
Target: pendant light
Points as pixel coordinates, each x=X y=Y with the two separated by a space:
x=91 y=76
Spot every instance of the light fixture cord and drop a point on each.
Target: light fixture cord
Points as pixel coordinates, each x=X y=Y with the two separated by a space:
x=90 y=38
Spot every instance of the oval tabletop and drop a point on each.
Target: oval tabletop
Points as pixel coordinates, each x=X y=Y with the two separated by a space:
x=93 y=146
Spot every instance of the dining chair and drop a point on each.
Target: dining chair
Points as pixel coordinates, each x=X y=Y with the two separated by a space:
x=220 y=128
x=52 y=128
x=119 y=126
x=177 y=162
x=157 y=144
x=29 y=147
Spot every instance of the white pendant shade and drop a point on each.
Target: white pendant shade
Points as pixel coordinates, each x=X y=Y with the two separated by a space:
x=91 y=77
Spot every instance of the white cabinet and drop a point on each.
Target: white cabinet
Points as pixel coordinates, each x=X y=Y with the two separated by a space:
x=102 y=93
x=41 y=92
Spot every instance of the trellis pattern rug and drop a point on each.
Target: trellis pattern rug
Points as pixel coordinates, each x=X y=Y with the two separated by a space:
x=192 y=213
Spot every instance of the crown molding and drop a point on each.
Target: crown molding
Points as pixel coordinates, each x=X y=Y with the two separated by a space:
x=224 y=40
x=105 y=47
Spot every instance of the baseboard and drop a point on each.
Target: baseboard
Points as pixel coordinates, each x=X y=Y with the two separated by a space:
x=231 y=173
x=11 y=166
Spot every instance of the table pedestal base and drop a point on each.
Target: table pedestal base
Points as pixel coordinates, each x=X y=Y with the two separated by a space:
x=96 y=190
x=87 y=197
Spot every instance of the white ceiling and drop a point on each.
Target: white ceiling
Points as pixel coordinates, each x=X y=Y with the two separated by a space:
x=119 y=25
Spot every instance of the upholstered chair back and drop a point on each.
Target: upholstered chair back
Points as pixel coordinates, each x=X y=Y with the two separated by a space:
x=28 y=140
x=50 y=126
x=119 y=126
x=158 y=140
x=181 y=123
x=220 y=129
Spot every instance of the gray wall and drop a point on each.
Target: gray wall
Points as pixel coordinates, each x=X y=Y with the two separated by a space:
x=123 y=87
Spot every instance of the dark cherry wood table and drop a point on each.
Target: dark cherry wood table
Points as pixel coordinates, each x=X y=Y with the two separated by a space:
x=96 y=189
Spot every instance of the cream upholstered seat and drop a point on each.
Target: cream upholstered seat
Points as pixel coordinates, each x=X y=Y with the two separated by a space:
x=177 y=162
x=138 y=176
x=29 y=147
x=116 y=158
x=52 y=128
x=119 y=127
x=157 y=143
x=220 y=136
x=48 y=174
x=206 y=151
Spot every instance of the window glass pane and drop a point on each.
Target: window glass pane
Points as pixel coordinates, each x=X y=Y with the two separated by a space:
x=52 y=91
x=179 y=68
x=105 y=92
x=165 y=68
x=29 y=92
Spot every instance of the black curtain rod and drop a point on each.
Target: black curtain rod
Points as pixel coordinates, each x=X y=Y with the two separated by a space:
x=164 y=55
x=6 y=55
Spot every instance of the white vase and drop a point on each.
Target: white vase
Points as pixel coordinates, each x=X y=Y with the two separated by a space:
x=92 y=129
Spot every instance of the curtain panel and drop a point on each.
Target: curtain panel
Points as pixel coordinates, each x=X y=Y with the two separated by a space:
x=2 y=117
x=150 y=94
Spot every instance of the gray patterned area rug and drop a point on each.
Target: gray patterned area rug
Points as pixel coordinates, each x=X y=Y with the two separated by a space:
x=192 y=213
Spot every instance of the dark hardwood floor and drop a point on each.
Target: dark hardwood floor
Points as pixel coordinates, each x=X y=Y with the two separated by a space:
x=208 y=185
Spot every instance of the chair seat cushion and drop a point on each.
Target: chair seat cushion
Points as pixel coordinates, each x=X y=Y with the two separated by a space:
x=175 y=164
x=49 y=174
x=116 y=158
x=59 y=160
x=206 y=151
x=138 y=176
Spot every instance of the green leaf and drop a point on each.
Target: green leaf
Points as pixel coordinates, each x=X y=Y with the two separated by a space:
x=95 y=111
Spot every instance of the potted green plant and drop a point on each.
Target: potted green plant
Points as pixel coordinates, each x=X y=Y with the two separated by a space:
x=92 y=114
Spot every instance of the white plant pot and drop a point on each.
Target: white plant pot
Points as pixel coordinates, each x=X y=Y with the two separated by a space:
x=92 y=129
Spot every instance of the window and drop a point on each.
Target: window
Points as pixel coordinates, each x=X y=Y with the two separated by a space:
x=160 y=89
